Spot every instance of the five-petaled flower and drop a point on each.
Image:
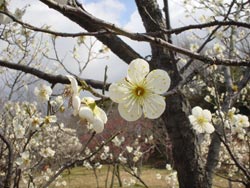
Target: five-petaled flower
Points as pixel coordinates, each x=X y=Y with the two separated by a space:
x=43 y=92
x=140 y=91
x=201 y=120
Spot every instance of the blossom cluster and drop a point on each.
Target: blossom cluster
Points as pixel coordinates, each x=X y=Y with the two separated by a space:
x=39 y=142
x=86 y=108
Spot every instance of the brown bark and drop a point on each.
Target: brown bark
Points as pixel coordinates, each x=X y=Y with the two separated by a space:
x=185 y=145
x=82 y=18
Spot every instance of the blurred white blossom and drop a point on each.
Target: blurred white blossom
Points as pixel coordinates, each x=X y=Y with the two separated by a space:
x=201 y=120
x=43 y=92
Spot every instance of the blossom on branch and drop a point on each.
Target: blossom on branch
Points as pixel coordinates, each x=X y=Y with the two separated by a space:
x=201 y=120
x=76 y=101
x=139 y=93
x=87 y=108
x=95 y=116
x=241 y=121
x=24 y=160
x=43 y=92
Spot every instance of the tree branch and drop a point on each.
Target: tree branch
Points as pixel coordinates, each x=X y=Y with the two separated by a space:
x=53 y=79
x=86 y=21
x=7 y=182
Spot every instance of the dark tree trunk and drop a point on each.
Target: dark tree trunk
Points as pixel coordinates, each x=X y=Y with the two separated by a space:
x=186 y=153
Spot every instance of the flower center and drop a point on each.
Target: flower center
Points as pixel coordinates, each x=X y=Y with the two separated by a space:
x=201 y=120
x=43 y=92
x=139 y=91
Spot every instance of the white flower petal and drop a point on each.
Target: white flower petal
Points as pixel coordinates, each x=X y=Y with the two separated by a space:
x=192 y=119
x=130 y=113
x=76 y=103
x=74 y=84
x=117 y=91
x=209 y=128
x=102 y=115
x=158 y=81
x=97 y=125
x=207 y=114
x=154 y=105
x=196 y=111
x=86 y=113
x=137 y=70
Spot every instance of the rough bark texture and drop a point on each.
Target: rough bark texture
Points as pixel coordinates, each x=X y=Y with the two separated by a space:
x=185 y=144
x=185 y=149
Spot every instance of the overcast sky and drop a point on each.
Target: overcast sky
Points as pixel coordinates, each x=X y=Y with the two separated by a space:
x=121 y=12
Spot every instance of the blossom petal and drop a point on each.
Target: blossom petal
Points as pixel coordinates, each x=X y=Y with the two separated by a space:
x=209 y=128
x=207 y=114
x=117 y=91
x=130 y=113
x=158 y=81
x=98 y=125
x=76 y=103
x=192 y=119
x=86 y=113
x=102 y=115
x=198 y=128
x=137 y=71
x=196 y=111
x=153 y=106
x=74 y=84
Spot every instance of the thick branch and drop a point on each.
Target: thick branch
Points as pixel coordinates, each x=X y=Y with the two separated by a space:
x=53 y=79
x=86 y=21
x=146 y=38
x=153 y=22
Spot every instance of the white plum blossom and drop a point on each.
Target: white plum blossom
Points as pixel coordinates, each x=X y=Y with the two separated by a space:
x=76 y=101
x=43 y=92
x=24 y=160
x=201 y=120
x=106 y=149
x=95 y=116
x=122 y=159
x=139 y=93
x=194 y=47
x=231 y=115
x=137 y=154
x=129 y=149
x=50 y=119
x=35 y=123
x=118 y=141
x=218 y=48
x=87 y=108
x=241 y=121
x=47 y=152
x=19 y=131
x=58 y=101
